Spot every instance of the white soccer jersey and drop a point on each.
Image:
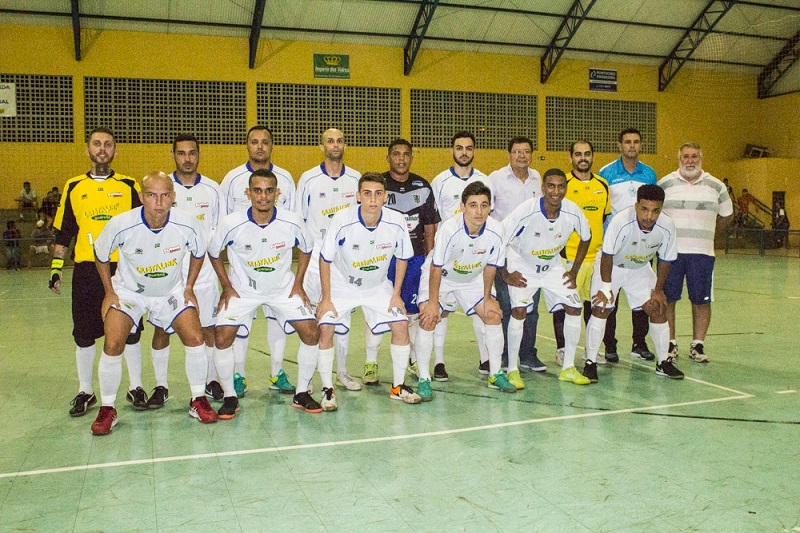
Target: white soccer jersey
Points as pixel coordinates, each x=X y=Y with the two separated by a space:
x=463 y=256
x=633 y=248
x=150 y=260
x=536 y=240
x=203 y=200
x=260 y=256
x=447 y=188
x=319 y=196
x=236 y=181
x=360 y=256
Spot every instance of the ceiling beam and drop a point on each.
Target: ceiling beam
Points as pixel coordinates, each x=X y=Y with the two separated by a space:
x=566 y=31
x=76 y=29
x=779 y=65
x=691 y=39
x=424 y=16
x=255 y=30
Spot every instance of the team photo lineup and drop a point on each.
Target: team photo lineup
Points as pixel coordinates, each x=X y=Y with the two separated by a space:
x=407 y=251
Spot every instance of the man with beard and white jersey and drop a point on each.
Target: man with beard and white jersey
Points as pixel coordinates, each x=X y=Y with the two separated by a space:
x=633 y=238
x=411 y=195
x=321 y=192
x=624 y=176
x=699 y=205
x=152 y=242
x=447 y=187
x=199 y=196
x=259 y=243
x=260 y=142
x=536 y=232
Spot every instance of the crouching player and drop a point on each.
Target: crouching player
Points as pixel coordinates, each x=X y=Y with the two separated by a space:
x=259 y=243
x=152 y=241
x=634 y=236
x=467 y=252
x=354 y=264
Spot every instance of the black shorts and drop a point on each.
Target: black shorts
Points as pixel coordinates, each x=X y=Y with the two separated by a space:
x=87 y=300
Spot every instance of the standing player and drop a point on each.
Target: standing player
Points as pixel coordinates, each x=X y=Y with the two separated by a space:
x=699 y=205
x=260 y=143
x=512 y=185
x=259 y=243
x=624 y=176
x=354 y=262
x=411 y=195
x=590 y=192
x=447 y=188
x=321 y=192
x=469 y=249
x=633 y=238
x=199 y=196
x=537 y=231
x=152 y=242
x=88 y=202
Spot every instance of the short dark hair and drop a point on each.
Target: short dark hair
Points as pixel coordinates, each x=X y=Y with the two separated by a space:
x=519 y=140
x=650 y=192
x=572 y=146
x=261 y=127
x=400 y=142
x=628 y=131
x=462 y=135
x=262 y=173
x=372 y=177
x=185 y=137
x=10 y=223
x=101 y=129
x=553 y=172
x=476 y=188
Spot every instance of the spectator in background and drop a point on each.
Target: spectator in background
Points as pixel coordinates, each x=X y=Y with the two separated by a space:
x=50 y=203
x=730 y=190
x=780 y=223
x=27 y=199
x=42 y=243
x=11 y=237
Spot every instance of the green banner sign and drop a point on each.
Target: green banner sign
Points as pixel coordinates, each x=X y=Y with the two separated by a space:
x=336 y=66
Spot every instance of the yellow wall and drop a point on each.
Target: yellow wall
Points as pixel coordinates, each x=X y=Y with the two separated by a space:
x=716 y=110
x=763 y=176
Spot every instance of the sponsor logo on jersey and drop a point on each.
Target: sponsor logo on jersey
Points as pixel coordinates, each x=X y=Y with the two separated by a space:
x=201 y=216
x=348 y=195
x=277 y=245
x=368 y=268
x=332 y=210
x=465 y=268
x=115 y=194
x=259 y=264
x=156 y=275
x=546 y=254
x=101 y=217
x=202 y=205
x=383 y=246
x=417 y=183
x=103 y=212
x=173 y=249
x=590 y=208
x=479 y=252
x=639 y=259
x=155 y=271
x=369 y=264
x=264 y=269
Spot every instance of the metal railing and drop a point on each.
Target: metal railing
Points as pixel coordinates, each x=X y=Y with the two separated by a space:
x=762 y=241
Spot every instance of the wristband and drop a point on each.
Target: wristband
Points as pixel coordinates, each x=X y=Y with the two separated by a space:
x=605 y=288
x=55 y=271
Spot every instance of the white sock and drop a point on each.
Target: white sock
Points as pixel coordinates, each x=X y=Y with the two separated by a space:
x=211 y=369
x=697 y=341
x=306 y=363
x=424 y=349
x=84 y=360
x=239 y=354
x=494 y=347
x=373 y=343
x=480 y=334
x=161 y=365
x=514 y=340
x=660 y=335
x=325 y=367
x=399 y=362
x=276 y=340
x=223 y=361
x=439 y=334
x=133 y=359
x=413 y=327
x=109 y=372
x=572 y=334
x=595 y=330
x=342 y=344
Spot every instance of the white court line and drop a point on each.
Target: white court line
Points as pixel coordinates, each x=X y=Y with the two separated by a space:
x=785 y=391
x=96 y=466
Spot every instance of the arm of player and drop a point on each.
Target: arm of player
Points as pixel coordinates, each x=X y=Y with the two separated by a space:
x=195 y=264
x=56 y=265
x=580 y=255
x=400 y=267
x=604 y=296
x=515 y=279
x=430 y=313
x=228 y=291
x=430 y=237
x=303 y=261
x=325 y=304
x=110 y=299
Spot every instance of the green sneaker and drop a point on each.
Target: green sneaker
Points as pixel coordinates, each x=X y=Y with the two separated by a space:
x=371 y=374
x=413 y=369
x=572 y=374
x=279 y=383
x=424 y=390
x=515 y=380
x=500 y=381
x=239 y=385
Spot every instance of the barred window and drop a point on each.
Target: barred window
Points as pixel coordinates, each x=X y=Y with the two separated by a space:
x=44 y=110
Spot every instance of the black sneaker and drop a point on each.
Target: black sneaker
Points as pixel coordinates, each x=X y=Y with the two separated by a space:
x=214 y=391
x=667 y=369
x=483 y=368
x=138 y=397
x=439 y=373
x=534 y=365
x=81 y=403
x=158 y=398
x=673 y=350
x=590 y=371
x=230 y=405
x=305 y=402
x=611 y=354
x=641 y=351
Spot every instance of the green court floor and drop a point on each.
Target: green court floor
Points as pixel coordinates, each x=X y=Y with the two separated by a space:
x=718 y=451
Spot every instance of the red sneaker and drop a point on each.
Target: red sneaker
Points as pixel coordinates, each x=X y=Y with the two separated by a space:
x=106 y=419
x=200 y=409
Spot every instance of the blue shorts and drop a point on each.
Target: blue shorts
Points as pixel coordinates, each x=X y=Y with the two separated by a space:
x=410 y=282
x=698 y=269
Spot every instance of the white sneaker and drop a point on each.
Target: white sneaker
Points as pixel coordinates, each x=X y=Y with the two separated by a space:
x=405 y=393
x=345 y=380
x=328 y=402
x=560 y=356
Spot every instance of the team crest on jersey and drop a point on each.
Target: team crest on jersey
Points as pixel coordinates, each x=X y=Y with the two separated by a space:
x=172 y=250
x=417 y=199
x=372 y=242
x=336 y=189
x=115 y=194
x=277 y=245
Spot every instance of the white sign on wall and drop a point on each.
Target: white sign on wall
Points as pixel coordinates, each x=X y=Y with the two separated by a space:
x=8 y=99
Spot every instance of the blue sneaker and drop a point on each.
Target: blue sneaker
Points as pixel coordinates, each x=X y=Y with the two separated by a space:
x=279 y=383
x=424 y=390
x=239 y=385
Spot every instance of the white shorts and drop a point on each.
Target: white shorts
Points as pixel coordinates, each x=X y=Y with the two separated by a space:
x=207 y=300
x=162 y=310
x=638 y=284
x=311 y=282
x=452 y=295
x=242 y=311
x=556 y=294
x=374 y=303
